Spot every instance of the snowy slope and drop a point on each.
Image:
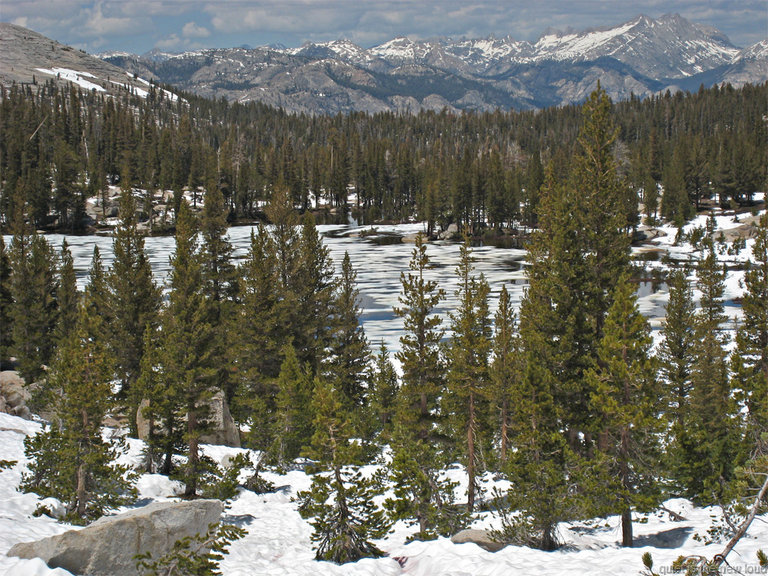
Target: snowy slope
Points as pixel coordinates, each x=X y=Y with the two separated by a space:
x=27 y=57
x=278 y=540
x=668 y=47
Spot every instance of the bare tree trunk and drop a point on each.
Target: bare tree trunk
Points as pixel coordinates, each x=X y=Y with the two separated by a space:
x=471 y=454
x=504 y=431
x=82 y=494
x=626 y=514
x=190 y=490
x=82 y=475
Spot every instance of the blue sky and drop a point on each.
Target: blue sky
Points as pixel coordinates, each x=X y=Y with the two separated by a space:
x=175 y=25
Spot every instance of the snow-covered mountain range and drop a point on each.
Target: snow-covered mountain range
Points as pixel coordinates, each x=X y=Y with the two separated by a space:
x=642 y=57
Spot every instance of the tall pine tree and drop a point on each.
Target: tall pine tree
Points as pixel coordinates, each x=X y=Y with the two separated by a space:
x=66 y=294
x=34 y=312
x=348 y=353
x=505 y=368
x=71 y=460
x=189 y=344
x=711 y=434
x=468 y=387
x=676 y=358
x=421 y=496
x=134 y=300
x=750 y=362
x=626 y=399
x=6 y=303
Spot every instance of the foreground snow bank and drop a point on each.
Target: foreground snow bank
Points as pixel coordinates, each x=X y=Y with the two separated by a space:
x=278 y=540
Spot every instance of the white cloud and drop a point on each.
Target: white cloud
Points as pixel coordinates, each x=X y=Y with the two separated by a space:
x=171 y=42
x=192 y=30
x=142 y=23
x=98 y=24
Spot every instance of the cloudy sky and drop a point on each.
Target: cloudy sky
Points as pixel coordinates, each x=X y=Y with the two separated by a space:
x=140 y=25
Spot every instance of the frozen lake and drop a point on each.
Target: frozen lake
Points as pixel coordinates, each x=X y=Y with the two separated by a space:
x=380 y=263
x=378 y=268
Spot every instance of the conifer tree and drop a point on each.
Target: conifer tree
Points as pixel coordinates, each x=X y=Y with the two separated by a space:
x=189 y=344
x=348 y=353
x=159 y=408
x=542 y=467
x=34 y=312
x=749 y=364
x=66 y=295
x=710 y=437
x=468 y=381
x=600 y=211
x=421 y=496
x=626 y=398
x=577 y=256
x=384 y=392
x=555 y=323
x=504 y=369
x=221 y=283
x=6 y=304
x=314 y=286
x=534 y=179
x=419 y=345
x=676 y=357
x=750 y=361
x=71 y=461
x=293 y=410
x=650 y=197
x=340 y=502
x=675 y=205
x=96 y=298
x=134 y=300
x=261 y=332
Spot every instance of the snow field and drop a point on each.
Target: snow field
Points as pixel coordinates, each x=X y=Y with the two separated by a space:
x=278 y=540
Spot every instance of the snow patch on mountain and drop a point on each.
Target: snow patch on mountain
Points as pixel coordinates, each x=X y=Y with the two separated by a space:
x=576 y=46
x=73 y=76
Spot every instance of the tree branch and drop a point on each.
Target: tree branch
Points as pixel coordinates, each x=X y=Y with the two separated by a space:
x=720 y=558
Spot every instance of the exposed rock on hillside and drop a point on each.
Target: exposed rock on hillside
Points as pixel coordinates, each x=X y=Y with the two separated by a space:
x=108 y=546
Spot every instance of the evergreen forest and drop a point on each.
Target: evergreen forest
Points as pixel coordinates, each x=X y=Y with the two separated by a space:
x=566 y=397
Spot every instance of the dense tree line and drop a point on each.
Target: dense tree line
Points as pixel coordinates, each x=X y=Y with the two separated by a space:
x=61 y=146
x=567 y=402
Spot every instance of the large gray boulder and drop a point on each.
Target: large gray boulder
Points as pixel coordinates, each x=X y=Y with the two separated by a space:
x=108 y=546
x=223 y=429
x=480 y=537
x=14 y=394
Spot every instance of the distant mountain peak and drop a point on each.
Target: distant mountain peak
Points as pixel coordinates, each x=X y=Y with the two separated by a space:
x=641 y=57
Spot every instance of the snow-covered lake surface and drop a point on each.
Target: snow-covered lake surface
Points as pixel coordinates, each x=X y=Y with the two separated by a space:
x=379 y=265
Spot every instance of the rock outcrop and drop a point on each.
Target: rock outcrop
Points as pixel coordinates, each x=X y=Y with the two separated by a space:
x=480 y=537
x=13 y=394
x=223 y=432
x=108 y=546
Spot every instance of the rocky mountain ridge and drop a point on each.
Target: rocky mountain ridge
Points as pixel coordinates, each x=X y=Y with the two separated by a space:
x=29 y=58
x=641 y=57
